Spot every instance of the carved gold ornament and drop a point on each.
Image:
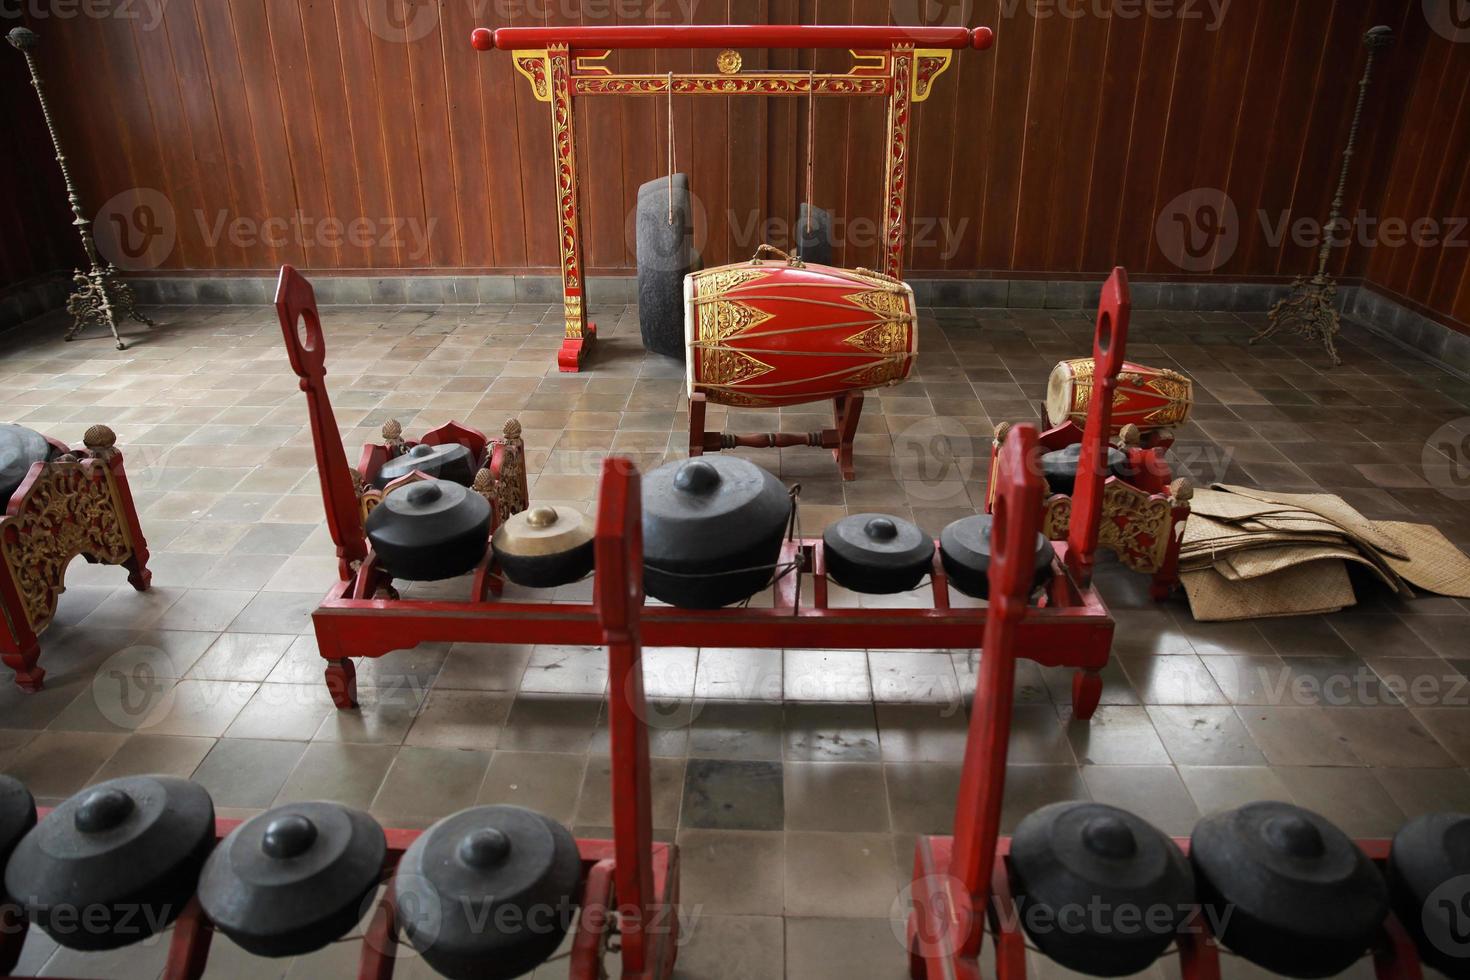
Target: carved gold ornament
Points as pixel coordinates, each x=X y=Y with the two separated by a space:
x=72 y=508
x=728 y=62
x=1135 y=525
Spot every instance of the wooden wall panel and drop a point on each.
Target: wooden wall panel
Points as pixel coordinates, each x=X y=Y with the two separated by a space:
x=1053 y=154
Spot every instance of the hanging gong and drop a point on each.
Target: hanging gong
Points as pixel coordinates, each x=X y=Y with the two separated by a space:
x=115 y=863
x=1294 y=894
x=1108 y=889
x=446 y=461
x=877 y=553
x=293 y=879
x=488 y=893
x=1429 y=883
x=545 y=546
x=964 y=548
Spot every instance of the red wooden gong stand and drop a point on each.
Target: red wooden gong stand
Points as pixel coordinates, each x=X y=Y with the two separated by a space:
x=361 y=617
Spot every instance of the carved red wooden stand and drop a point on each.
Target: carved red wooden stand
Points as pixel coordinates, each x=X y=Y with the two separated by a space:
x=564 y=63
x=76 y=504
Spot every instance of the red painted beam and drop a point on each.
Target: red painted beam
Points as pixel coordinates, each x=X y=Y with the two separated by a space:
x=729 y=36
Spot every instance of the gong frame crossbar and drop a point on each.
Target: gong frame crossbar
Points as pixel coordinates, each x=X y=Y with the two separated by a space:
x=563 y=63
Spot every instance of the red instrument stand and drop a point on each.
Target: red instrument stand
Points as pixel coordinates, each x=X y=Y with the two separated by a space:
x=962 y=887
x=362 y=617
x=76 y=504
x=561 y=63
x=847 y=408
x=1142 y=517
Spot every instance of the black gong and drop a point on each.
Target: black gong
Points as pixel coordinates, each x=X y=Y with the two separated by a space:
x=1102 y=891
x=447 y=461
x=115 y=863
x=1060 y=467
x=293 y=879
x=964 y=548
x=20 y=449
x=1429 y=884
x=488 y=892
x=430 y=529
x=1294 y=894
x=877 y=553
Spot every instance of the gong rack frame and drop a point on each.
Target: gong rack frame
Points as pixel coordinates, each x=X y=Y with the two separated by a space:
x=362 y=616
x=562 y=63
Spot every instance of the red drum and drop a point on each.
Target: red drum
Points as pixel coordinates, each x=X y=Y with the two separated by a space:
x=766 y=333
x=1148 y=397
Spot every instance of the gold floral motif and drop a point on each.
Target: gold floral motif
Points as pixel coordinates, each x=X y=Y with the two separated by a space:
x=717 y=282
x=894 y=334
x=1135 y=525
x=728 y=62
x=889 y=371
x=71 y=509
x=532 y=64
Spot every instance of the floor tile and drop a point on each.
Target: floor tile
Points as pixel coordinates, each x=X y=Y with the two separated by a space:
x=1351 y=798
x=835 y=949
x=1155 y=793
x=921 y=796
x=342 y=772
x=549 y=723
x=1217 y=788
x=731 y=794
x=666 y=779
x=142 y=755
x=731 y=947
x=936 y=732
x=283 y=711
x=736 y=730
x=739 y=674
x=460 y=720
x=830 y=733
x=54 y=765
x=245 y=772
x=241 y=657
x=1204 y=735
x=1291 y=736
x=734 y=872
x=547 y=782
x=1116 y=735
x=840 y=875
x=1390 y=737
x=383 y=717
x=835 y=796
x=423 y=785
x=826 y=675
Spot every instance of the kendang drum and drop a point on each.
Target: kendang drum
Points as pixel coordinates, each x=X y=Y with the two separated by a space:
x=1148 y=397
x=769 y=333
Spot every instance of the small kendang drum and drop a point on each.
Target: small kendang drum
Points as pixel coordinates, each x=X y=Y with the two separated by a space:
x=769 y=333
x=1148 y=397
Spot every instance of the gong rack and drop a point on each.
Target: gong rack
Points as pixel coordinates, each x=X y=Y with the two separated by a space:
x=362 y=616
x=562 y=63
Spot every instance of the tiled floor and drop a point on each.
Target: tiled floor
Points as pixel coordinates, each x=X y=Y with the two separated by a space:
x=795 y=781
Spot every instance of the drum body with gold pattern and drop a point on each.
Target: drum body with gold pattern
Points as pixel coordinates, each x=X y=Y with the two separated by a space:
x=1148 y=397
x=770 y=333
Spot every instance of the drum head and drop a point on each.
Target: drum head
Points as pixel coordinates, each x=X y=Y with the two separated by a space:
x=1059 y=387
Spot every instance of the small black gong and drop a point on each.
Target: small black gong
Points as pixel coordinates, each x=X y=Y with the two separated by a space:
x=1101 y=890
x=877 y=553
x=430 y=529
x=447 y=461
x=1291 y=891
x=20 y=449
x=1429 y=885
x=488 y=892
x=545 y=546
x=115 y=863
x=1060 y=467
x=293 y=879
x=964 y=548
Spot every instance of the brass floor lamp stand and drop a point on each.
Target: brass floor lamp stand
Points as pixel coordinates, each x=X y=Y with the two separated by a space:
x=98 y=295
x=1311 y=309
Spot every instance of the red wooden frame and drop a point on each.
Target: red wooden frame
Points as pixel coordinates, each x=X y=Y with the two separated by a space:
x=565 y=62
x=1070 y=627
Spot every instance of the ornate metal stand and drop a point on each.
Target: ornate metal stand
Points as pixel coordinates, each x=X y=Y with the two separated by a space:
x=97 y=294
x=562 y=63
x=1311 y=309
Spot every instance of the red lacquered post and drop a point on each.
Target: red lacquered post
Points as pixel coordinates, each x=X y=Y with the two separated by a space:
x=982 y=781
x=723 y=36
x=1108 y=344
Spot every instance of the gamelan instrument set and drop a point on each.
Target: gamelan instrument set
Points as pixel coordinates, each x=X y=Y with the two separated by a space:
x=493 y=891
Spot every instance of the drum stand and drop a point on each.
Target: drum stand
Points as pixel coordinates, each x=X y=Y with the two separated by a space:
x=847 y=409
